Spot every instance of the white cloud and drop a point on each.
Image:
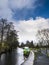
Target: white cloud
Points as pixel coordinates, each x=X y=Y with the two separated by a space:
x=6 y=5
x=22 y=4
x=5 y=11
x=28 y=29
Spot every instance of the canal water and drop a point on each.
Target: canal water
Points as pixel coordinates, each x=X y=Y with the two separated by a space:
x=14 y=58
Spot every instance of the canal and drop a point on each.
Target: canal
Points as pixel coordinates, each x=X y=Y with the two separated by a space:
x=14 y=58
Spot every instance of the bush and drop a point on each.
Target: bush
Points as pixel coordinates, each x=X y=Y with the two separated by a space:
x=26 y=52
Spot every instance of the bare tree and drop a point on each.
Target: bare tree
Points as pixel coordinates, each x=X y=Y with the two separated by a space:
x=8 y=35
x=40 y=38
x=43 y=37
x=2 y=29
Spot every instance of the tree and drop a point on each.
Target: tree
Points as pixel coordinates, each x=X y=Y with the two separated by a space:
x=2 y=29
x=40 y=38
x=22 y=44
x=43 y=36
x=31 y=44
x=9 y=27
x=12 y=37
x=8 y=34
x=46 y=35
x=27 y=43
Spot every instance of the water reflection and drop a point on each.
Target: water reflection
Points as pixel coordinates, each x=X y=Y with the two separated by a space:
x=20 y=56
x=13 y=58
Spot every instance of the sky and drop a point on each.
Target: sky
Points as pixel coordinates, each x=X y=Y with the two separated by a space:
x=28 y=16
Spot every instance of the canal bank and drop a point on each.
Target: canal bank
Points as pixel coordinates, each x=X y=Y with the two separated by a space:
x=41 y=59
